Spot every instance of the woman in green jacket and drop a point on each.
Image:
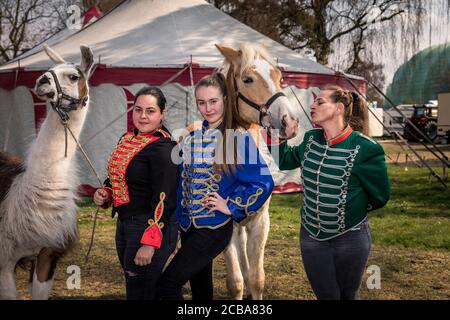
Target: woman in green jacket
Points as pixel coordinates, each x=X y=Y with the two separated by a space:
x=344 y=177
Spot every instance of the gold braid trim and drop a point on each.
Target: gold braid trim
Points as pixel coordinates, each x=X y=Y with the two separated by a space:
x=250 y=200
x=158 y=213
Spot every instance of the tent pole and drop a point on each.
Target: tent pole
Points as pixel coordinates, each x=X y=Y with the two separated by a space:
x=444 y=158
x=191 y=90
x=187 y=108
x=8 y=124
x=176 y=75
x=191 y=75
x=131 y=108
x=432 y=172
x=301 y=105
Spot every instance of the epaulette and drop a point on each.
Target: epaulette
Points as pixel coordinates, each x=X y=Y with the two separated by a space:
x=196 y=125
x=368 y=138
x=163 y=133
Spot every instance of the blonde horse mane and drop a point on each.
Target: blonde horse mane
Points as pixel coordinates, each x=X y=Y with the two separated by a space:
x=249 y=53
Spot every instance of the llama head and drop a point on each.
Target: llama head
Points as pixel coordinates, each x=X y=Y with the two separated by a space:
x=66 y=84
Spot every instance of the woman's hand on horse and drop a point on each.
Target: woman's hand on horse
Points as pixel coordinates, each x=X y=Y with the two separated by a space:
x=144 y=255
x=100 y=196
x=216 y=203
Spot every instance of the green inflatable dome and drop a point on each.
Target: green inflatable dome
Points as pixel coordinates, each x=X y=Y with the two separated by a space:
x=423 y=77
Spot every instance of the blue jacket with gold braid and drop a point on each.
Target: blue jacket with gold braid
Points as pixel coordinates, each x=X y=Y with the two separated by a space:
x=247 y=189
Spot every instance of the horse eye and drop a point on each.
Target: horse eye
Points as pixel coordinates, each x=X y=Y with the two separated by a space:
x=74 y=77
x=247 y=80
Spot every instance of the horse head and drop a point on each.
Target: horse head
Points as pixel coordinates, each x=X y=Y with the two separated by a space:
x=65 y=85
x=255 y=83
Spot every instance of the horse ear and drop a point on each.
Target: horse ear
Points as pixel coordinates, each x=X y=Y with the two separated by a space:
x=87 y=61
x=55 y=57
x=231 y=55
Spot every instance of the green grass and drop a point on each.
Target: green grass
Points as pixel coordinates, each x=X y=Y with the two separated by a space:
x=410 y=245
x=418 y=213
x=416 y=216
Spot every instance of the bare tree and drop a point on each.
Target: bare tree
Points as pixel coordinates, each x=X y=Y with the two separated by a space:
x=316 y=24
x=24 y=23
x=358 y=28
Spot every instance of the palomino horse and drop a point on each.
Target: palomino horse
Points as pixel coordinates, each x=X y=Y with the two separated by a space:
x=254 y=87
x=38 y=213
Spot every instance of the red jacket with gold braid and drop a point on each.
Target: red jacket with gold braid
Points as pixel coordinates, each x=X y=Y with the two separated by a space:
x=142 y=179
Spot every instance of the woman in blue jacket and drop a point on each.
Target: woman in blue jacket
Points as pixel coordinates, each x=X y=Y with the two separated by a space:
x=212 y=192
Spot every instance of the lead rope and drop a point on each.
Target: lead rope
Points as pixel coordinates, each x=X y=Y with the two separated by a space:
x=64 y=116
x=64 y=121
x=94 y=224
x=65 y=139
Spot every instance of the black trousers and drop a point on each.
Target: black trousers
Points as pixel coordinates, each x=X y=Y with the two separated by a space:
x=194 y=262
x=141 y=281
x=335 y=267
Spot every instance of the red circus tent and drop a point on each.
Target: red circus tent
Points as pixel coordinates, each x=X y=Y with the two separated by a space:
x=165 y=43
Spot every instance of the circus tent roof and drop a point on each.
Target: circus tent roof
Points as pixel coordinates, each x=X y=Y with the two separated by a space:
x=142 y=33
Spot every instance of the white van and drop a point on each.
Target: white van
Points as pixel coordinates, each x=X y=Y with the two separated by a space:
x=393 y=120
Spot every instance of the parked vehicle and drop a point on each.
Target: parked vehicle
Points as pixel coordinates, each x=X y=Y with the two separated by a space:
x=444 y=117
x=394 y=121
x=425 y=118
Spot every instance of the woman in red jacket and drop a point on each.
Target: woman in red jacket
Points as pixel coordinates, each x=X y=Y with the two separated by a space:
x=141 y=186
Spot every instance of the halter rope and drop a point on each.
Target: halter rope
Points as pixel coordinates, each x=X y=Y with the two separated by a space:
x=63 y=113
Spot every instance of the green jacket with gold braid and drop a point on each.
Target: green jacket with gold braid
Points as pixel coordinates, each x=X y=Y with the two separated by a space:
x=343 y=179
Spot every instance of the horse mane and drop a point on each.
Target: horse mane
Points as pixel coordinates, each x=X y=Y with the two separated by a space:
x=249 y=53
x=232 y=119
x=10 y=167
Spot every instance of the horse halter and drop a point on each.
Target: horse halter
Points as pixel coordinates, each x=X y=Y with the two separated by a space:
x=58 y=107
x=261 y=108
x=63 y=111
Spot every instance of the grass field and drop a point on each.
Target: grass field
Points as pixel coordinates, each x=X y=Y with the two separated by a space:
x=411 y=245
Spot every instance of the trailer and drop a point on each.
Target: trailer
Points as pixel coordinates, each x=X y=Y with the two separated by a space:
x=395 y=121
x=443 y=123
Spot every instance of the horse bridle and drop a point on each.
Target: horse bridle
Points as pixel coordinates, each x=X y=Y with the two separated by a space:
x=261 y=108
x=63 y=111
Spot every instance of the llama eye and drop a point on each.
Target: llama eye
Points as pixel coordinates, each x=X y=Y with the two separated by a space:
x=74 y=77
x=247 y=80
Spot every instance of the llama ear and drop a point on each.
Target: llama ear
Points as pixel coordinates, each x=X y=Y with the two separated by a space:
x=231 y=55
x=87 y=61
x=55 y=57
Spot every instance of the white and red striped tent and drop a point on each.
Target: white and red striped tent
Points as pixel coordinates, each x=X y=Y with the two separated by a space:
x=141 y=42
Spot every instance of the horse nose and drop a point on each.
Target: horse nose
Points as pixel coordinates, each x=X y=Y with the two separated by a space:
x=287 y=119
x=289 y=126
x=44 y=80
x=283 y=121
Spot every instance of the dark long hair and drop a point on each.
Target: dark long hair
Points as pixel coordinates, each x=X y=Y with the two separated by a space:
x=355 y=113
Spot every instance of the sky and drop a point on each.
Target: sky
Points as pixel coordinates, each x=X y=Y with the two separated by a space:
x=393 y=52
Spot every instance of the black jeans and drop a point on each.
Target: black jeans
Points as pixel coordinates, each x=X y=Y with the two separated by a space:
x=335 y=267
x=141 y=280
x=194 y=262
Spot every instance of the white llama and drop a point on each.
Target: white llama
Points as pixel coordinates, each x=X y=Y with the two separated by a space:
x=38 y=213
